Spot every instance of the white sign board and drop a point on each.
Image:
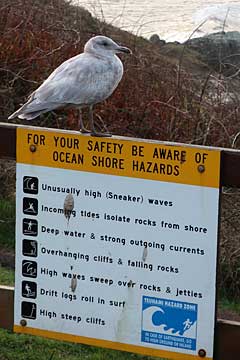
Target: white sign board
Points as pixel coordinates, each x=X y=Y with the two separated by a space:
x=110 y=255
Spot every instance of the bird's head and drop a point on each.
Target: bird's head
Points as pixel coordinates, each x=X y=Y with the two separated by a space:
x=102 y=45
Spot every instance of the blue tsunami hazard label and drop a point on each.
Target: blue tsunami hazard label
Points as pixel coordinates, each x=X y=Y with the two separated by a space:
x=169 y=323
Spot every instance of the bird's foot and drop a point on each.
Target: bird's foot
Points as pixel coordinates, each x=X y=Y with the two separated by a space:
x=85 y=131
x=98 y=134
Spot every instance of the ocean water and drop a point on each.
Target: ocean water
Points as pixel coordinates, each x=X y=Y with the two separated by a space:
x=171 y=19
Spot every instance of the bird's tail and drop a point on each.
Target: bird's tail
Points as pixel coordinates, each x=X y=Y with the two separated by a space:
x=28 y=116
x=32 y=109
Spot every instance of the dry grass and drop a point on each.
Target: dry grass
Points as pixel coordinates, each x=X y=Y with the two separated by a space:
x=155 y=100
x=229 y=269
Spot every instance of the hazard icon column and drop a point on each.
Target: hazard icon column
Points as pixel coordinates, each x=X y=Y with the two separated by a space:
x=29 y=246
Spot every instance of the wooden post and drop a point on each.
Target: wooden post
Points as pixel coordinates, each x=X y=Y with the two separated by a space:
x=6 y=307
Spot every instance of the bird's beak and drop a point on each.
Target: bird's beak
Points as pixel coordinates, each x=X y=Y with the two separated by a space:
x=124 y=50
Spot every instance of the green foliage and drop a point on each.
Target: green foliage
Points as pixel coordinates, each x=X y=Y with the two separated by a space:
x=226 y=304
x=6 y=276
x=7 y=223
x=22 y=347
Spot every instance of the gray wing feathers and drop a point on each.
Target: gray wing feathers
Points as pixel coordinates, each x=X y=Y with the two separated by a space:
x=47 y=96
x=76 y=81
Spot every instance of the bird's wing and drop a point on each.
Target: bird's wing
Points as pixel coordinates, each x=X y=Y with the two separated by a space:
x=56 y=87
x=54 y=90
x=77 y=81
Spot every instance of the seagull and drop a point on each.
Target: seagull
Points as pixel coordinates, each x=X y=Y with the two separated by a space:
x=81 y=81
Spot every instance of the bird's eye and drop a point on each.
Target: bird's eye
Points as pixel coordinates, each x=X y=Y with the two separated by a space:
x=105 y=43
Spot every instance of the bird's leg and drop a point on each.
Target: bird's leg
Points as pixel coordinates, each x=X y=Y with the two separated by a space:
x=94 y=132
x=80 y=123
